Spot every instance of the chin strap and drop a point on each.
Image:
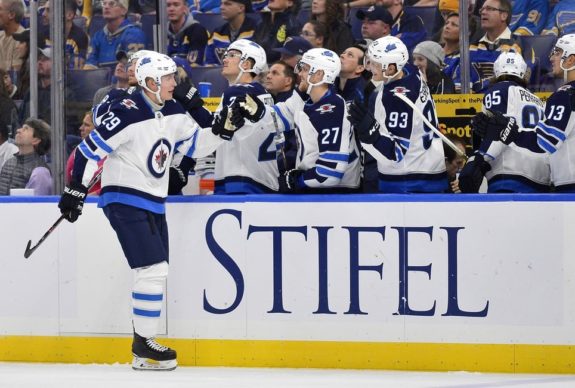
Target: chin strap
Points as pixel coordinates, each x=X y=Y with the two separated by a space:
x=565 y=70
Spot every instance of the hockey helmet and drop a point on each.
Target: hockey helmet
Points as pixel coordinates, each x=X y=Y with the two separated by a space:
x=250 y=50
x=386 y=51
x=510 y=63
x=321 y=59
x=154 y=65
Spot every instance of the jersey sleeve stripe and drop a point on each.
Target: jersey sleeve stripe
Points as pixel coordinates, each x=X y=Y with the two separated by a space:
x=335 y=156
x=282 y=118
x=557 y=133
x=545 y=144
x=85 y=150
x=192 y=148
x=328 y=173
x=95 y=137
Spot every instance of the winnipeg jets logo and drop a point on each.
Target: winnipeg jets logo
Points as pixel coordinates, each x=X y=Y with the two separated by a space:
x=325 y=108
x=390 y=47
x=400 y=90
x=129 y=103
x=159 y=158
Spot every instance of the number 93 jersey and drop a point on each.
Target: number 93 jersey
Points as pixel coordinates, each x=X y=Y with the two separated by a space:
x=514 y=170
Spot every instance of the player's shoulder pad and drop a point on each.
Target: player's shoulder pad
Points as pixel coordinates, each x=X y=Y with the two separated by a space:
x=330 y=107
x=241 y=90
x=123 y=112
x=565 y=95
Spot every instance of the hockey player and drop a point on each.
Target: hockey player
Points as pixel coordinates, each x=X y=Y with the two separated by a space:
x=247 y=164
x=507 y=169
x=409 y=156
x=328 y=155
x=139 y=135
x=554 y=134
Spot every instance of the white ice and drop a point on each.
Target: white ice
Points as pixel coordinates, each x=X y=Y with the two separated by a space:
x=30 y=375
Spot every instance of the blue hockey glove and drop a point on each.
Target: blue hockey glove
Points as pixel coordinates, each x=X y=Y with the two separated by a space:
x=472 y=174
x=365 y=125
x=494 y=126
x=288 y=181
x=72 y=201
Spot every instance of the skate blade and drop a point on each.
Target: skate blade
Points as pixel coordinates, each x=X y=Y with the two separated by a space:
x=139 y=363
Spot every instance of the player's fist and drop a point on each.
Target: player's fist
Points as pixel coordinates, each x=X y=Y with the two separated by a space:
x=222 y=125
x=288 y=181
x=364 y=124
x=72 y=201
x=251 y=107
x=187 y=95
x=495 y=126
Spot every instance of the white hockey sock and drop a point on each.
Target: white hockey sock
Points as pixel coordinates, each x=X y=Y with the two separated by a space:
x=147 y=297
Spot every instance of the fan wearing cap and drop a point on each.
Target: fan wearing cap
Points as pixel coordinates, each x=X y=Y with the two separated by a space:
x=376 y=22
x=237 y=26
x=409 y=156
x=428 y=56
x=277 y=25
x=118 y=34
x=44 y=86
x=187 y=38
x=11 y=15
x=509 y=169
x=293 y=49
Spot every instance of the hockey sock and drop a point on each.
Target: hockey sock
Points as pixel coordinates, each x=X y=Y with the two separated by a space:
x=147 y=297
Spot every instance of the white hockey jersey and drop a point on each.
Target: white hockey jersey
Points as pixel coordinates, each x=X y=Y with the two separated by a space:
x=139 y=144
x=409 y=155
x=511 y=169
x=247 y=164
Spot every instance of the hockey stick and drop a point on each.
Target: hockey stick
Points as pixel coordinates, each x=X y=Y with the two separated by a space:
x=444 y=138
x=29 y=249
x=280 y=152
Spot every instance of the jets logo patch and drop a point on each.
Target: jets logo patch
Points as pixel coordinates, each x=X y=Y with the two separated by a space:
x=159 y=158
x=325 y=108
x=129 y=103
x=400 y=90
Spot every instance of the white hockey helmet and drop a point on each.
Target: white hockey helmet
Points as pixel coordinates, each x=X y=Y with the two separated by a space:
x=510 y=63
x=386 y=51
x=322 y=59
x=250 y=50
x=567 y=44
x=138 y=54
x=154 y=65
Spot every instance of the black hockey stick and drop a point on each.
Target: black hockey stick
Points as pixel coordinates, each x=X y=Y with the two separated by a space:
x=29 y=248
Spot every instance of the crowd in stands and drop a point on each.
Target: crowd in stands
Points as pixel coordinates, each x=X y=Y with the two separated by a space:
x=102 y=34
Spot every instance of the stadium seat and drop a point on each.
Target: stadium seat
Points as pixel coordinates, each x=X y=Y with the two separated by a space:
x=84 y=83
x=536 y=50
x=96 y=23
x=428 y=16
x=210 y=74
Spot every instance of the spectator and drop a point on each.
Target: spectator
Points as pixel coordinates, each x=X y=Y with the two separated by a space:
x=277 y=25
x=11 y=14
x=120 y=75
x=314 y=32
x=528 y=17
x=429 y=57
x=76 y=38
x=28 y=169
x=292 y=50
x=119 y=34
x=495 y=18
x=237 y=26
x=21 y=78
x=86 y=127
x=330 y=13
x=407 y=27
x=44 y=85
x=7 y=148
x=449 y=7
x=350 y=84
x=8 y=112
x=560 y=20
x=376 y=22
x=454 y=162
x=186 y=37
x=11 y=89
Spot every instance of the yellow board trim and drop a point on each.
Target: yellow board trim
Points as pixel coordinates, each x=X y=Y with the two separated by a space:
x=303 y=354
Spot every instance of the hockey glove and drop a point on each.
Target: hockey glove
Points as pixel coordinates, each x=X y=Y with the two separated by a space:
x=494 y=126
x=187 y=95
x=251 y=107
x=179 y=175
x=288 y=181
x=72 y=201
x=223 y=126
x=472 y=174
x=365 y=125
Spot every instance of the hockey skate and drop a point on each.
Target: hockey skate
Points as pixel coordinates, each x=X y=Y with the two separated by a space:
x=150 y=355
